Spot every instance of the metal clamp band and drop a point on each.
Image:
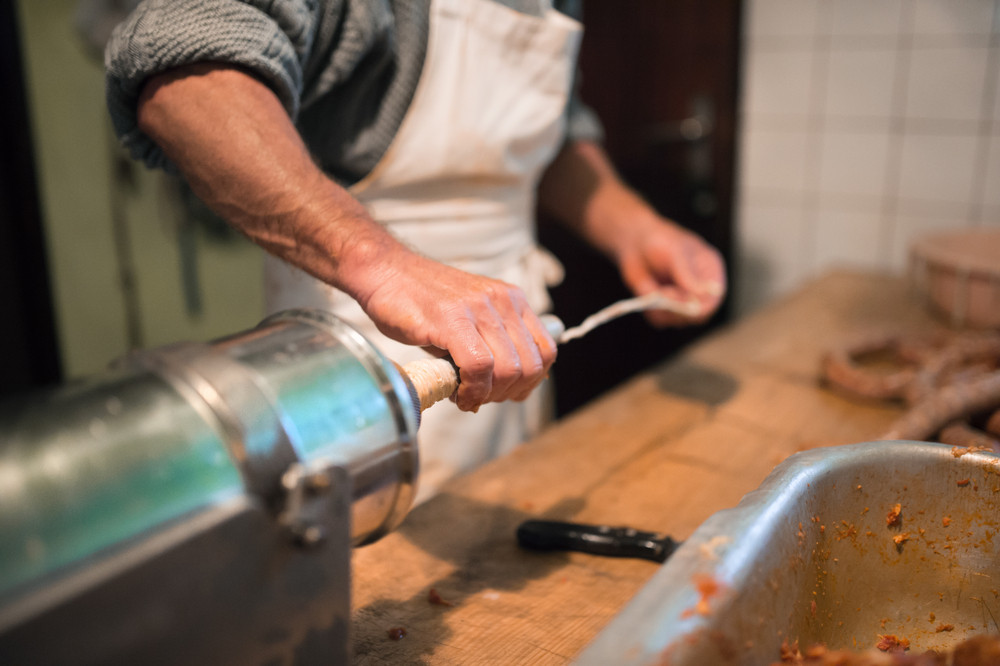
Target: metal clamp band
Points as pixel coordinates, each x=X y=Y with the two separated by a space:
x=237 y=404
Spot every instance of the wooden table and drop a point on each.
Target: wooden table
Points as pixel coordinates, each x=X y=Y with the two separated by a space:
x=662 y=452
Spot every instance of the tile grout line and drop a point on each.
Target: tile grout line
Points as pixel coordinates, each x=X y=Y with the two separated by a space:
x=815 y=123
x=977 y=200
x=897 y=129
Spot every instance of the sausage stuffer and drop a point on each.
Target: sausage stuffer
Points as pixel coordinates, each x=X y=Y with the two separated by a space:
x=198 y=502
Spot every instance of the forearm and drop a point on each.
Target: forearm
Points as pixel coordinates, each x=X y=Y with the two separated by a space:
x=582 y=190
x=233 y=141
x=240 y=152
x=652 y=253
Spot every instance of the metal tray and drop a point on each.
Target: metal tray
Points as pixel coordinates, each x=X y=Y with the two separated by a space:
x=810 y=556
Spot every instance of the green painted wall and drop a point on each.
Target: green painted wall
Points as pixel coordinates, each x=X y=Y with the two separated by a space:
x=74 y=147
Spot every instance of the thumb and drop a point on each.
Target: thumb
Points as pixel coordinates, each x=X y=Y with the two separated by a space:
x=637 y=276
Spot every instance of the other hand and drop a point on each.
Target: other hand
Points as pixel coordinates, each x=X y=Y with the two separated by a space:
x=659 y=255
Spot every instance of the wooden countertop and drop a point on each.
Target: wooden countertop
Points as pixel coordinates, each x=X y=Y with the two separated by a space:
x=662 y=452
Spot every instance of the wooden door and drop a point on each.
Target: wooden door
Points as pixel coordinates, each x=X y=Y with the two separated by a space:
x=662 y=75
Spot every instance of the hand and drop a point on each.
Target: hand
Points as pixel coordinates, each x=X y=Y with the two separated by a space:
x=660 y=255
x=582 y=189
x=500 y=346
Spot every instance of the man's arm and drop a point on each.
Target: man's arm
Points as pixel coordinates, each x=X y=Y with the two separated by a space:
x=582 y=189
x=231 y=138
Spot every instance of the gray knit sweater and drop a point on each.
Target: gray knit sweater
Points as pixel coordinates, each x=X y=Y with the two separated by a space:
x=345 y=70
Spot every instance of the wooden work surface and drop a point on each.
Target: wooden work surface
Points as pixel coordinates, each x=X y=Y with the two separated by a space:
x=662 y=452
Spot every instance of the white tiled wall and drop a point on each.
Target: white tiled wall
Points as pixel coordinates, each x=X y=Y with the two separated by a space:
x=865 y=123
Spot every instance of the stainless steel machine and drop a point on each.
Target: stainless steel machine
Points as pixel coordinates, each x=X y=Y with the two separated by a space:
x=198 y=503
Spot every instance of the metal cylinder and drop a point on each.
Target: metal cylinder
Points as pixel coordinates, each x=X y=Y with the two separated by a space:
x=169 y=431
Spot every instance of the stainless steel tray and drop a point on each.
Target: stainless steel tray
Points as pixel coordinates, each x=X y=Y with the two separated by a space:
x=810 y=556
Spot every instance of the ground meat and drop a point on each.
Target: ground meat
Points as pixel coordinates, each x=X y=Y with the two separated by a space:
x=892 y=643
x=707 y=588
x=436 y=599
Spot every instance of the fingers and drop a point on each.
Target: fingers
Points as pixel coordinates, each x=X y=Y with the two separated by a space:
x=709 y=275
x=641 y=280
x=475 y=361
x=502 y=349
x=680 y=265
x=545 y=346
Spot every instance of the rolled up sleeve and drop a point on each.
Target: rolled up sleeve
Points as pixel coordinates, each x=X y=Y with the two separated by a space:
x=271 y=40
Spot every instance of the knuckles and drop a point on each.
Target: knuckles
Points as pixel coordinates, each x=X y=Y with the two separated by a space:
x=507 y=373
x=534 y=367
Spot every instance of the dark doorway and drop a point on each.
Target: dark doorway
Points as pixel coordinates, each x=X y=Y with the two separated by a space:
x=662 y=76
x=29 y=355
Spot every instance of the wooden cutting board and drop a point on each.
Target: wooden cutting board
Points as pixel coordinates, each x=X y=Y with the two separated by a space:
x=662 y=452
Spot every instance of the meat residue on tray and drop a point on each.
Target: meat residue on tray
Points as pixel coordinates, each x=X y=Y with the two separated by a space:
x=958 y=452
x=707 y=588
x=892 y=643
x=892 y=518
x=981 y=650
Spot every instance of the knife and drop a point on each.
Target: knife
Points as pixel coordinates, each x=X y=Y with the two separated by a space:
x=595 y=539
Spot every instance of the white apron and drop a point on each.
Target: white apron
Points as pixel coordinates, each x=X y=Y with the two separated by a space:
x=457 y=184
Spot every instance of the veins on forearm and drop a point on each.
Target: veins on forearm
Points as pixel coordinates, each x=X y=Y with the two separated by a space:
x=231 y=137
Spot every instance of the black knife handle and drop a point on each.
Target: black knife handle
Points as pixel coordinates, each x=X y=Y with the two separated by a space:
x=595 y=539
